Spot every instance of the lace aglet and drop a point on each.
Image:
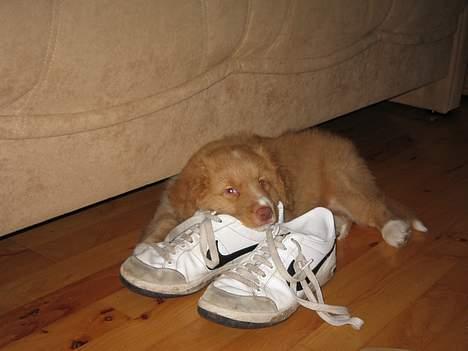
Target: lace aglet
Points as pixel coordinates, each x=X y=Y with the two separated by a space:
x=356 y=323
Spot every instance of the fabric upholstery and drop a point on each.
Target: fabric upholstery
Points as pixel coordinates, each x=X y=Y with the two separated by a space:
x=101 y=97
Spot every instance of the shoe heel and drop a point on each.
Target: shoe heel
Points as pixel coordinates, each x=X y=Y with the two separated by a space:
x=327 y=271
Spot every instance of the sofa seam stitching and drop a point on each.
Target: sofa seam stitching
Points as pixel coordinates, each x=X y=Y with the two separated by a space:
x=48 y=58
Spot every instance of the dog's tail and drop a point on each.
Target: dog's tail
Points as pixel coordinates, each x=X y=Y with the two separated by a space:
x=418 y=225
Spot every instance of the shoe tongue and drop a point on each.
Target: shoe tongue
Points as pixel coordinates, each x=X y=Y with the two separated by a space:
x=224 y=221
x=236 y=226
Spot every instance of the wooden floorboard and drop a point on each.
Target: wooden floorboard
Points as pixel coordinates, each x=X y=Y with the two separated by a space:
x=29 y=287
x=59 y=286
x=21 y=258
x=38 y=314
x=428 y=318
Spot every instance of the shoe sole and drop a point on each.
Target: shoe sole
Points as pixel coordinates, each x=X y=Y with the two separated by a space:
x=174 y=291
x=167 y=291
x=242 y=320
x=147 y=293
x=232 y=323
x=235 y=319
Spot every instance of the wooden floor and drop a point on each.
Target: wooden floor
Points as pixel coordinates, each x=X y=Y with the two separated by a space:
x=60 y=288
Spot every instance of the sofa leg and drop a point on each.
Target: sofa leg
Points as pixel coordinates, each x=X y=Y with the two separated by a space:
x=445 y=95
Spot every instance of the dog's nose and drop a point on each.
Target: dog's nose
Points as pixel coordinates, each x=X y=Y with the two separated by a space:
x=264 y=213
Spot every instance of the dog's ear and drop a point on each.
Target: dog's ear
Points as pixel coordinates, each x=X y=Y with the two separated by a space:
x=281 y=180
x=284 y=187
x=189 y=187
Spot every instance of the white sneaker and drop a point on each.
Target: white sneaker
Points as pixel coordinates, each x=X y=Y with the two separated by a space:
x=193 y=254
x=285 y=271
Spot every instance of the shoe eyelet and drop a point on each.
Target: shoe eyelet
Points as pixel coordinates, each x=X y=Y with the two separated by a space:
x=169 y=262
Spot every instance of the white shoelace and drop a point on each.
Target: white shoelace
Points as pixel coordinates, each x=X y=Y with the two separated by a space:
x=198 y=225
x=249 y=272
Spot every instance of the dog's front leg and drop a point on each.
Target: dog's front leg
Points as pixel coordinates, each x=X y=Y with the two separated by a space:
x=163 y=221
x=342 y=225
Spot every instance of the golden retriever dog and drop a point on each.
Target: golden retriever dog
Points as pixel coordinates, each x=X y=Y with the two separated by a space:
x=246 y=175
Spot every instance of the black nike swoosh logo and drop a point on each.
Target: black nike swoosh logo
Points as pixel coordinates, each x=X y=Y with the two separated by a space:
x=223 y=259
x=292 y=271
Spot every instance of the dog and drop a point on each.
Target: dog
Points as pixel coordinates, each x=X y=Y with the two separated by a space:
x=246 y=175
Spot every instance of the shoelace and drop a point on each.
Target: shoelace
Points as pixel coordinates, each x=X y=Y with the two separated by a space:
x=249 y=271
x=200 y=224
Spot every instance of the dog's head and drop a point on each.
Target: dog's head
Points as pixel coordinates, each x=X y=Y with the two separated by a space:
x=239 y=179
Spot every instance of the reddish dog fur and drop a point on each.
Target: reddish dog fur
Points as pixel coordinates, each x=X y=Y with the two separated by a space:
x=245 y=176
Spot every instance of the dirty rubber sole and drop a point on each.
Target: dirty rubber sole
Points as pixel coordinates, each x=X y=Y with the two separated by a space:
x=148 y=293
x=232 y=323
x=182 y=291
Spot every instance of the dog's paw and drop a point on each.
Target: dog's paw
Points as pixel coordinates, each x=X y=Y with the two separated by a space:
x=396 y=232
x=342 y=227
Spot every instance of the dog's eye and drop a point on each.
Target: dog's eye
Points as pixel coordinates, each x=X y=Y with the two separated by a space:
x=263 y=183
x=230 y=191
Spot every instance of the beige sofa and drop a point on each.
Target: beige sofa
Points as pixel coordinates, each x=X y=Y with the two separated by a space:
x=101 y=97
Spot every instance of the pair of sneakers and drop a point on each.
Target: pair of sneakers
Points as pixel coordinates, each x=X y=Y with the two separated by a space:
x=256 y=279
